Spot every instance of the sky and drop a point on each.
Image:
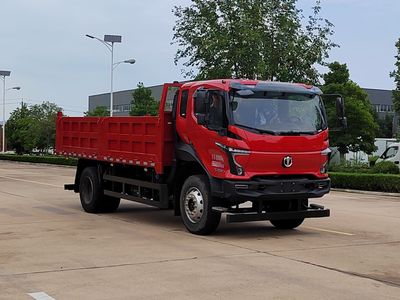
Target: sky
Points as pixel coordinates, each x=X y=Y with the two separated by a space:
x=43 y=44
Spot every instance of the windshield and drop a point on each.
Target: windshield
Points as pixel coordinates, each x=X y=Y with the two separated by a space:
x=390 y=152
x=279 y=113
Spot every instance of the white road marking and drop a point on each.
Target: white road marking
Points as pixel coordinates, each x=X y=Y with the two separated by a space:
x=41 y=296
x=330 y=231
x=31 y=181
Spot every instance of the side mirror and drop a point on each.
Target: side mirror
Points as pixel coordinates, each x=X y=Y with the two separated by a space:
x=344 y=123
x=341 y=120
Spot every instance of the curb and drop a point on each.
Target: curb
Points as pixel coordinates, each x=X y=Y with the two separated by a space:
x=37 y=164
x=397 y=195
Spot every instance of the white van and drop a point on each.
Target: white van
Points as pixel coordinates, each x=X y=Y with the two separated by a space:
x=392 y=154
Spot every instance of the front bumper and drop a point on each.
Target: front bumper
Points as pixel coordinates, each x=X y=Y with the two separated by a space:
x=273 y=199
x=243 y=215
x=269 y=189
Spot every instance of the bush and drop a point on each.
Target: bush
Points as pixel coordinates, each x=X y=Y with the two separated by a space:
x=350 y=167
x=386 y=167
x=54 y=160
x=367 y=182
x=372 y=160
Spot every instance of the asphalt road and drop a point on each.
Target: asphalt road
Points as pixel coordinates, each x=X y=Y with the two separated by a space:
x=50 y=248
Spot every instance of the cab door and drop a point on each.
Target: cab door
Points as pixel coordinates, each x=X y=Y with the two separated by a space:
x=208 y=129
x=165 y=126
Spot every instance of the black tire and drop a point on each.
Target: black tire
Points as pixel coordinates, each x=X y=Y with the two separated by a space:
x=109 y=204
x=287 y=224
x=196 y=206
x=91 y=193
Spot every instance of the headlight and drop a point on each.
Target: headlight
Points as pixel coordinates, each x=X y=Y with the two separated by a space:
x=326 y=152
x=235 y=167
x=324 y=168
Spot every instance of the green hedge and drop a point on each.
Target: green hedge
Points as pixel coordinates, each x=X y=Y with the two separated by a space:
x=372 y=160
x=367 y=182
x=45 y=159
x=350 y=167
x=385 y=167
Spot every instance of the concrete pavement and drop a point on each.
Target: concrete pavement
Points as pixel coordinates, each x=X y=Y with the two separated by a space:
x=48 y=244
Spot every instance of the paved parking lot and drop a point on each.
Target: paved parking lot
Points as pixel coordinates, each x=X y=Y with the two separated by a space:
x=48 y=245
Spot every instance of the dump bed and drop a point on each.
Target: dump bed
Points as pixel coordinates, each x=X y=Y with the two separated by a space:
x=143 y=141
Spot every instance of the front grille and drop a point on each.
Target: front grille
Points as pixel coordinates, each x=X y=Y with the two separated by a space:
x=284 y=177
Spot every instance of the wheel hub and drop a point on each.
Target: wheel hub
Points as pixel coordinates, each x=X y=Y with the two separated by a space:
x=87 y=190
x=194 y=205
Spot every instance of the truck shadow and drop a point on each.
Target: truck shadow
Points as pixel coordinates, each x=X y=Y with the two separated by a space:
x=261 y=230
x=165 y=219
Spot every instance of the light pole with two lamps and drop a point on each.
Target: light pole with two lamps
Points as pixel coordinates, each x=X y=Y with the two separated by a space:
x=109 y=41
x=5 y=74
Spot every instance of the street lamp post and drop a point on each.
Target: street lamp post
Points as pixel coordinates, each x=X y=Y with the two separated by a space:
x=4 y=74
x=109 y=41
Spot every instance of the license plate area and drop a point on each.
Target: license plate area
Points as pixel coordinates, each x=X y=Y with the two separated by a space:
x=289 y=187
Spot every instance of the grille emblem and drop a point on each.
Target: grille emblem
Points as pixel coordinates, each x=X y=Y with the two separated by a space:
x=287 y=161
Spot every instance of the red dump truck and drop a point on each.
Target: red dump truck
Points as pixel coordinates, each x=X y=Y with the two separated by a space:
x=252 y=150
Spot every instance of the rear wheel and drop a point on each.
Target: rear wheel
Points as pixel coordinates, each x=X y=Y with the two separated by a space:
x=92 y=195
x=196 y=206
x=110 y=204
x=287 y=224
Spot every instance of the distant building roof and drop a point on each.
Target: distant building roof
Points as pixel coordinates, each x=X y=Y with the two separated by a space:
x=377 y=96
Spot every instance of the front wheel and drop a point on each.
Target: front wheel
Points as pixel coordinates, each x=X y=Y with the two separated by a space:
x=287 y=224
x=196 y=206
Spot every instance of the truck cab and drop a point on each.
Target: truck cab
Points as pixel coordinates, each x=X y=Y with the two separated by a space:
x=260 y=142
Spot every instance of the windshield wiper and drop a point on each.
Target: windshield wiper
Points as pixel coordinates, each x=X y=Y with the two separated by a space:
x=297 y=132
x=288 y=133
x=256 y=130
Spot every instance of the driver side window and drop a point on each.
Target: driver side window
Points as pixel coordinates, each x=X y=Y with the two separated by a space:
x=215 y=110
x=211 y=107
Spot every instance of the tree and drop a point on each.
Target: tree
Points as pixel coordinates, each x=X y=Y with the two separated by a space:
x=21 y=130
x=45 y=115
x=263 y=39
x=143 y=102
x=339 y=73
x=34 y=127
x=99 y=111
x=362 y=128
x=385 y=126
x=396 y=75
